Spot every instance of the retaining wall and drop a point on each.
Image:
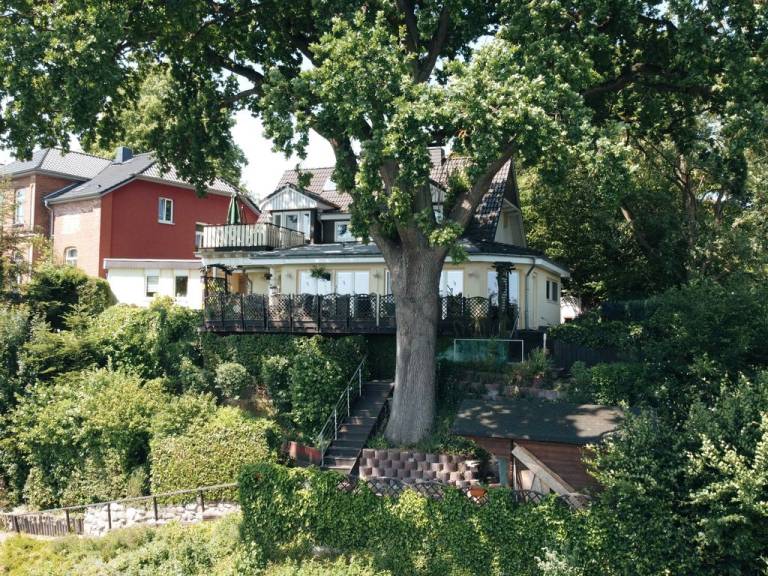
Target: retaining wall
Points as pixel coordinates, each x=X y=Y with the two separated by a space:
x=408 y=466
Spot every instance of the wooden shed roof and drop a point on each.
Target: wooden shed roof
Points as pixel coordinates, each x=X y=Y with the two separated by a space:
x=538 y=420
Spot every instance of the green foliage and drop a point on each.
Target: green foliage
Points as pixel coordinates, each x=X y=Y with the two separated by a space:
x=209 y=549
x=231 y=379
x=55 y=291
x=14 y=328
x=406 y=535
x=304 y=376
x=212 y=453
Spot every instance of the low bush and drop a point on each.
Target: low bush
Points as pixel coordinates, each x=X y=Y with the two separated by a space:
x=231 y=379
x=214 y=452
x=408 y=535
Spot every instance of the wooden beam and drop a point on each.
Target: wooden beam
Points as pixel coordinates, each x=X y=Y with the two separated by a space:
x=545 y=474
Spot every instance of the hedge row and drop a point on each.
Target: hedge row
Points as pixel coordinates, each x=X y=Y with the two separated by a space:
x=285 y=507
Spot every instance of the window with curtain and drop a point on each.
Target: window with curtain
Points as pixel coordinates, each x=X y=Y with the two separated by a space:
x=70 y=256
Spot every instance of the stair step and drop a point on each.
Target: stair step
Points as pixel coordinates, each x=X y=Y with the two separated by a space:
x=343 y=451
x=331 y=461
x=346 y=442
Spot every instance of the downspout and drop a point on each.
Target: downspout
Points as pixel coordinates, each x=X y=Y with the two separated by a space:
x=527 y=293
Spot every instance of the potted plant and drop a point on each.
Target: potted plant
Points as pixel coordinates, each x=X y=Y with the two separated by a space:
x=320 y=273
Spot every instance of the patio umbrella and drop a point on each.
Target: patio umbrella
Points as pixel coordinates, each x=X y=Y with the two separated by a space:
x=233 y=212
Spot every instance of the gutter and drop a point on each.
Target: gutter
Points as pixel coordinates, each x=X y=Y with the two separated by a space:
x=527 y=293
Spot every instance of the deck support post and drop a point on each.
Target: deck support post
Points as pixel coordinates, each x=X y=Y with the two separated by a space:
x=503 y=463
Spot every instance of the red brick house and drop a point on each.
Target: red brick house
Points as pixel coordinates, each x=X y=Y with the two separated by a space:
x=124 y=219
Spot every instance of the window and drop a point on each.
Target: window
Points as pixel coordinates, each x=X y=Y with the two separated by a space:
x=310 y=285
x=343 y=234
x=70 y=256
x=182 y=281
x=552 y=290
x=451 y=282
x=165 y=211
x=199 y=235
x=18 y=209
x=299 y=221
x=514 y=287
x=438 y=210
x=352 y=282
x=152 y=282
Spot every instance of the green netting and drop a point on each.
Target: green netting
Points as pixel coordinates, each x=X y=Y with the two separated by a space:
x=486 y=350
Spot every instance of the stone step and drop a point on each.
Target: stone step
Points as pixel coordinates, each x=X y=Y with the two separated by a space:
x=338 y=461
x=346 y=442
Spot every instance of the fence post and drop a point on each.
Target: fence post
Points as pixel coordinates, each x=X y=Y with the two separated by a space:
x=290 y=313
x=242 y=312
x=265 y=309
x=66 y=515
x=319 y=301
x=15 y=522
x=154 y=508
x=201 y=501
x=378 y=310
x=109 y=516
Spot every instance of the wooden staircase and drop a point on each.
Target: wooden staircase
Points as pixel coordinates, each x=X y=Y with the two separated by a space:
x=344 y=450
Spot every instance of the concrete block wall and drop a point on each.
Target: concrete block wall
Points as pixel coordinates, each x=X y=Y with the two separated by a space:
x=413 y=467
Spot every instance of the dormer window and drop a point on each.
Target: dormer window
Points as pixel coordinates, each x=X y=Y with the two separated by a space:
x=343 y=233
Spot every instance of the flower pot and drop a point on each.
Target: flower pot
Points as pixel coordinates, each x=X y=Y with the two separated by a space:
x=477 y=492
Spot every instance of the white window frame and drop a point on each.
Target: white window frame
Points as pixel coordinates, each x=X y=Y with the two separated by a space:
x=315 y=285
x=199 y=234
x=445 y=289
x=356 y=284
x=180 y=274
x=152 y=274
x=162 y=210
x=514 y=287
x=349 y=237
x=552 y=289
x=69 y=260
x=20 y=201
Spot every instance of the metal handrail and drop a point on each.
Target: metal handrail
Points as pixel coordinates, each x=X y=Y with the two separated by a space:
x=323 y=438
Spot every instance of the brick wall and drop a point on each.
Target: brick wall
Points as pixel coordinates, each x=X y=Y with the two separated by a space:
x=78 y=224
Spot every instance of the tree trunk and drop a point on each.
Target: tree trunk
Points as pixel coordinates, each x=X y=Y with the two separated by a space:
x=415 y=286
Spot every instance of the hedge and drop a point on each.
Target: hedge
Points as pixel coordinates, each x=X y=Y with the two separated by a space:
x=212 y=453
x=411 y=534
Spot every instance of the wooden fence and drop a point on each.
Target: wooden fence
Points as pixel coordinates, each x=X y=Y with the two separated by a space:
x=565 y=354
x=70 y=519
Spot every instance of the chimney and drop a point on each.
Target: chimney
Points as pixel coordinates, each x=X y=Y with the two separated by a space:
x=123 y=154
x=436 y=155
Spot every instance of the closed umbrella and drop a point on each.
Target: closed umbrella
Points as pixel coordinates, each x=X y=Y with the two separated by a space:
x=233 y=212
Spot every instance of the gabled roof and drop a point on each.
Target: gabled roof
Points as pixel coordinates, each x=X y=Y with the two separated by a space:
x=317 y=179
x=537 y=420
x=304 y=191
x=77 y=165
x=486 y=218
x=114 y=175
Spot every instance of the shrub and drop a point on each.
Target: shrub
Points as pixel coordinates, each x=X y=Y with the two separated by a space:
x=231 y=379
x=14 y=330
x=409 y=534
x=212 y=453
x=276 y=378
x=53 y=291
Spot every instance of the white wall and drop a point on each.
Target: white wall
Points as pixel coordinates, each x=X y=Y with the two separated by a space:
x=128 y=286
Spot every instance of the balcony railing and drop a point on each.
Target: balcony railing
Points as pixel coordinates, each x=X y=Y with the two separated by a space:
x=346 y=314
x=261 y=235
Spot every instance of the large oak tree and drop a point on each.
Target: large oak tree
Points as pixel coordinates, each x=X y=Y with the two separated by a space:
x=381 y=81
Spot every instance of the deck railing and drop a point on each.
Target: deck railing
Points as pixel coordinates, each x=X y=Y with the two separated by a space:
x=346 y=314
x=249 y=236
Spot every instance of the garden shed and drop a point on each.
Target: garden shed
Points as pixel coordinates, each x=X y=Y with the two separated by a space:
x=538 y=444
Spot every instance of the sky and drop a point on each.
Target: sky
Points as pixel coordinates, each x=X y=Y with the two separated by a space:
x=264 y=167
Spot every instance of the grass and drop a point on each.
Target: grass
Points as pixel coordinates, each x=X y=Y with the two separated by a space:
x=210 y=549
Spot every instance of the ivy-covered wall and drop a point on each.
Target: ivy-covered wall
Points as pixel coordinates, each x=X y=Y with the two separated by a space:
x=288 y=507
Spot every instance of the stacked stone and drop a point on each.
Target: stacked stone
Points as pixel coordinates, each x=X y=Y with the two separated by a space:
x=97 y=519
x=419 y=467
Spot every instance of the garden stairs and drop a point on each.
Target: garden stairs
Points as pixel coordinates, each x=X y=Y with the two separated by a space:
x=344 y=451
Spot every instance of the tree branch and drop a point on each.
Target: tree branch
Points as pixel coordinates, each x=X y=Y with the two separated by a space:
x=412 y=37
x=467 y=202
x=435 y=45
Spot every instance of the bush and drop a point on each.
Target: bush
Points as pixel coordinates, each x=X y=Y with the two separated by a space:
x=231 y=379
x=14 y=330
x=54 y=291
x=212 y=453
x=409 y=535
